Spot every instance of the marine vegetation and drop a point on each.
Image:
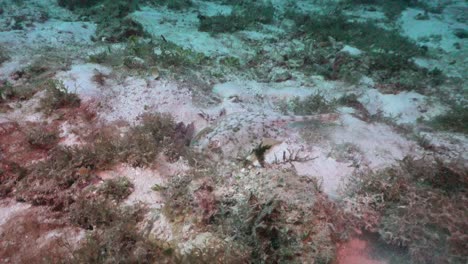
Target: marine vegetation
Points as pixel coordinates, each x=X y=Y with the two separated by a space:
x=72 y=4
x=261 y=222
x=3 y=55
x=171 y=4
x=393 y=8
x=116 y=189
x=257 y=227
x=57 y=96
x=91 y=172
x=387 y=57
x=34 y=77
x=243 y=15
x=43 y=137
x=145 y=55
x=66 y=180
x=113 y=23
x=67 y=169
x=6 y=90
x=456 y=120
x=364 y=35
x=419 y=205
x=113 y=234
x=312 y=104
x=461 y=33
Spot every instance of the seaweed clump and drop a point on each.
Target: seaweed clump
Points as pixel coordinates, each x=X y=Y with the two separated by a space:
x=149 y=55
x=171 y=4
x=3 y=55
x=66 y=181
x=419 y=205
x=312 y=104
x=387 y=55
x=113 y=23
x=364 y=35
x=112 y=231
x=69 y=169
x=43 y=138
x=73 y=4
x=266 y=224
x=244 y=14
x=57 y=96
x=455 y=120
x=393 y=8
x=116 y=189
x=6 y=90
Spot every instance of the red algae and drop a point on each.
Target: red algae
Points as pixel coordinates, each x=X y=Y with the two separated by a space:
x=15 y=146
x=356 y=251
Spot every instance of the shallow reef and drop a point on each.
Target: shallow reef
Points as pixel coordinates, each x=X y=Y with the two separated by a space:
x=194 y=131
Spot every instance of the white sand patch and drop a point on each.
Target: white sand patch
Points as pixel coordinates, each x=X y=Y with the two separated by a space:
x=378 y=143
x=449 y=145
x=9 y=67
x=405 y=107
x=307 y=6
x=249 y=90
x=259 y=36
x=72 y=236
x=182 y=29
x=143 y=179
x=4 y=119
x=454 y=64
x=205 y=240
x=26 y=111
x=331 y=174
x=30 y=11
x=158 y=226
x=131 y=97
x=59 y=33
x=212 y=8
x=312 y=162
x=135 y=96
x=79 y=79
x=436 y=32
x=53 y=33
x=9 y=208
x=67 y=134
x=287 y=151
x=351 y=50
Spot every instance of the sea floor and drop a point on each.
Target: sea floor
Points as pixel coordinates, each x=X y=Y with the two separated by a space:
x=310 y=169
